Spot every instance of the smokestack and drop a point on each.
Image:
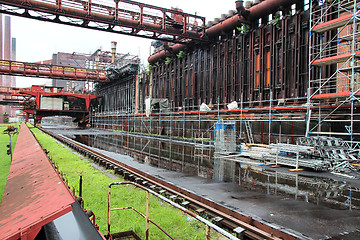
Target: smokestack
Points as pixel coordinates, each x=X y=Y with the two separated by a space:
x=113 y=51
x=2 y=108
x=13 y=57
x=7 y=42
x=7 y=56
x=1 y=44
x=13 y=49
x=7 y=48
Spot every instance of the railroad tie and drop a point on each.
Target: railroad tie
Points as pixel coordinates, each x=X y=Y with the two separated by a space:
x=217 y=220
x=228 y=224
x=240 y=232
x=185 y=203
x=154 y=187
x=173 y=198
x=200 y=210
x=132 y=177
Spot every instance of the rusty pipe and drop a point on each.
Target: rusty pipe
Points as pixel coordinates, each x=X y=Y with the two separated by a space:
x=257 y=11
x=170 y=51
x=97 y=17
x=267 y=7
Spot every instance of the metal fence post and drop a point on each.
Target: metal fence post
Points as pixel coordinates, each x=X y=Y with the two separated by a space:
x=147 y=215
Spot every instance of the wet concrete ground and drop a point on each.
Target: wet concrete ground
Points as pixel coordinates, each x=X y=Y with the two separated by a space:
x=304 y=219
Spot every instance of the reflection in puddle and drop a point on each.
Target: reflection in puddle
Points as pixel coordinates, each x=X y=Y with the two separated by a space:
x=200 y=160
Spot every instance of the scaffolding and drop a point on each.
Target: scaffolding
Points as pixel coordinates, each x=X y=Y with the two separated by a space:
x=252 y=125
x=334 y=80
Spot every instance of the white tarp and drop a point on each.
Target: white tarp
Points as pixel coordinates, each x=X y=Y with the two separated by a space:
x=204 y=107
x=148 y=106
x=232 y=106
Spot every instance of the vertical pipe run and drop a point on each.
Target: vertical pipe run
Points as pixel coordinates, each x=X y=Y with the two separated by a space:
x=147 y=215
x=109 y=204
x=80 y=186
x=89 y=8
x=113 y=51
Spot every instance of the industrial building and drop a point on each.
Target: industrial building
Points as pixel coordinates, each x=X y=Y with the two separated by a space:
x=261 y=68
x=243 y=102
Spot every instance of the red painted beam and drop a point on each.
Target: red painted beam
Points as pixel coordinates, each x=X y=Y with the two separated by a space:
x=51 y=71
x=333 y=24
x=34 y=194
x=334 y=95
x=333 y=59
x=128 y=19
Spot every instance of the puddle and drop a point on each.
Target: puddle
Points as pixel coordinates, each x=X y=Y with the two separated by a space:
x=198 y=160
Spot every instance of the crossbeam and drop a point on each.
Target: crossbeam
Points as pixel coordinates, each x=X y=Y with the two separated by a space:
x=119 y=16
x=51 y=71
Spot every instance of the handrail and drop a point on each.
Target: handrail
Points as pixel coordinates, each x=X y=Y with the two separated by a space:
x=199 y=218
x=27 y=69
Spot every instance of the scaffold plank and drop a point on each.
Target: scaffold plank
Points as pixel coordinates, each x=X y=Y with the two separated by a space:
x=332 y=24
x=334 y=59
x=334 y=95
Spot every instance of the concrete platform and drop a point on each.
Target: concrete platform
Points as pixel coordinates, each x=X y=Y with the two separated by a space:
x=305 y=219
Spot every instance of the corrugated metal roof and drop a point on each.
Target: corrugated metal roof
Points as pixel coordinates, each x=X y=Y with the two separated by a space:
x=34 y=194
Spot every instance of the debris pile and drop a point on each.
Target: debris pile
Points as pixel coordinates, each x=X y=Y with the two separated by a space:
x=319 y=153
x=339 y=153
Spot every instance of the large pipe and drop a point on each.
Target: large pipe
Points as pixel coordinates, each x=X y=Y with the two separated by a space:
x=257 y=11
x=97 y=17
x=168 y=52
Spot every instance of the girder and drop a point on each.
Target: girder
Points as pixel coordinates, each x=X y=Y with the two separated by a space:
x=120 y=16
x=51 y=71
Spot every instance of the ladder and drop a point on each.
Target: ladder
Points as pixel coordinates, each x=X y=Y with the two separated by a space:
x=249 y=132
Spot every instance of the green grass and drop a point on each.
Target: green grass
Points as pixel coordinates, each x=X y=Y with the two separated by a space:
x=4 y=158
x=95 y=188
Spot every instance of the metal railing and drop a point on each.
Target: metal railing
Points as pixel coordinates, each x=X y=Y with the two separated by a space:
x=208 y=224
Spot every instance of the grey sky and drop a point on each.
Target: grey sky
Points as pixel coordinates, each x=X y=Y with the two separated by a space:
x=37 y=41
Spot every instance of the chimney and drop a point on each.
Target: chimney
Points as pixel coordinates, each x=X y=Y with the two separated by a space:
x=113 y=51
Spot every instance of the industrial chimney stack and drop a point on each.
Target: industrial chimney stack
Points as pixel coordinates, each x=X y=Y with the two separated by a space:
x=7 y=52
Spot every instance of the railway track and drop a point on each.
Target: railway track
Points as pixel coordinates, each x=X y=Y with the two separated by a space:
x=245 y=227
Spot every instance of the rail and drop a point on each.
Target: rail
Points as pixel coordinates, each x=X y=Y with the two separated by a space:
x=199 y=218
x=51 y=71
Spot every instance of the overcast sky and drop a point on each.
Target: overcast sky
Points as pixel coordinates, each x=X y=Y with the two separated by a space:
x=37 y=40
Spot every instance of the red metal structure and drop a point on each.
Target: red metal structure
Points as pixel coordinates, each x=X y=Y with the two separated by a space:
x=244 y=16
x=43 y=101
x=12 y=91
x=51 y=71
x=119 y=16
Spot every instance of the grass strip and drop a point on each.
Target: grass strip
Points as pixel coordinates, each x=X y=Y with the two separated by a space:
x=5 y=159
x=95 y=188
